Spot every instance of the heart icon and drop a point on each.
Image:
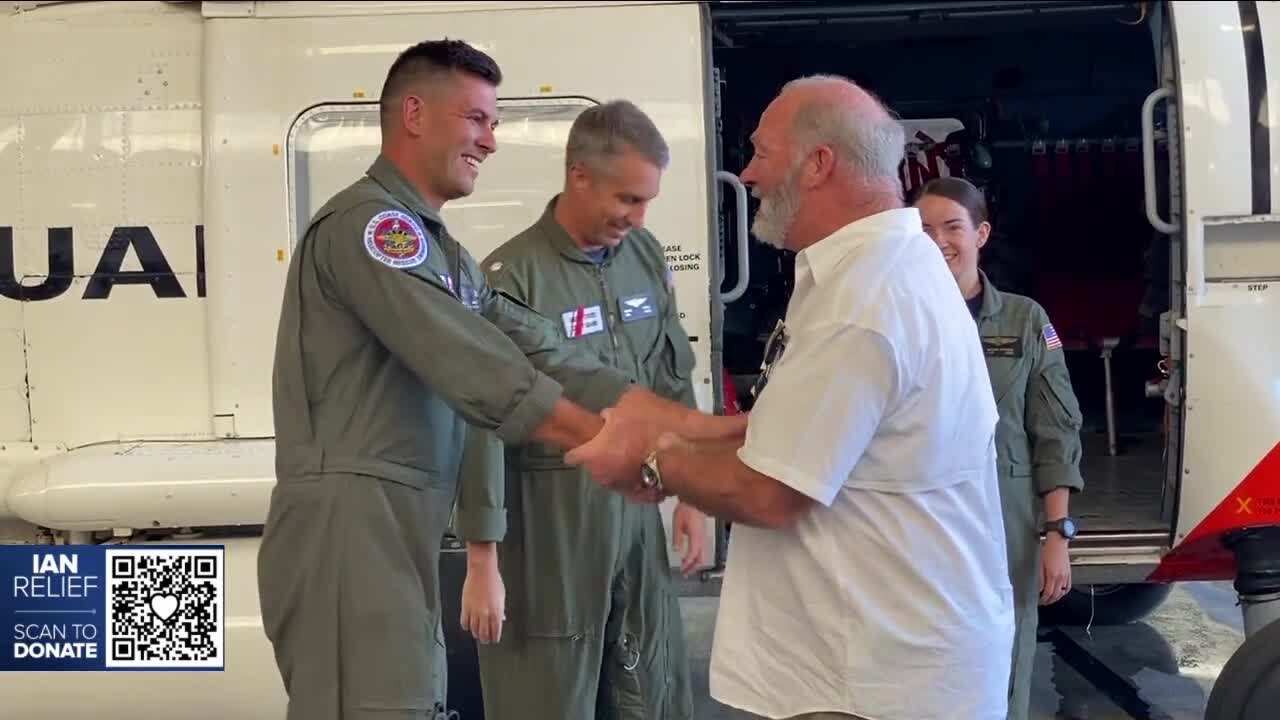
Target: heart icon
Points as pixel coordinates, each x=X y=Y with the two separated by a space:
x=164 y=605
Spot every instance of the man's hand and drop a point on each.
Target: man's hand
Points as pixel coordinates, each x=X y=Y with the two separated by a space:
x=1055 y=569
x=687 y=532
x=614 y=456
x=483 y=594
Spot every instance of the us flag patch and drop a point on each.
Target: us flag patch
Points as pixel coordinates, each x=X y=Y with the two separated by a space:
x=1051 y=340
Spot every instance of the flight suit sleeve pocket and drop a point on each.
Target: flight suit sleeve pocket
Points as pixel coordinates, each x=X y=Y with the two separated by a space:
x=1055 y=424
x=1063 y=402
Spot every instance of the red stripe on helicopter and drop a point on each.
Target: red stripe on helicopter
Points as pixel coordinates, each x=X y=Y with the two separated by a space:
x=1254 y=502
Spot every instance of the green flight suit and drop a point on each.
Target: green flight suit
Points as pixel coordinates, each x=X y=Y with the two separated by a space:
x=1037 y=446
x=390 y=341
x=593 y=621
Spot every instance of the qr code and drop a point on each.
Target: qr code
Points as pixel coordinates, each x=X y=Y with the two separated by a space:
x=165 y=608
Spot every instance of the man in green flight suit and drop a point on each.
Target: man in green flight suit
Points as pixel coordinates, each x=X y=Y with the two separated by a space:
x=1038 y=435
x=595 y=624
x=390 y=343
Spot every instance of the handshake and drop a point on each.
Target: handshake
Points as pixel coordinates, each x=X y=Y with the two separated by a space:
x=637 y=426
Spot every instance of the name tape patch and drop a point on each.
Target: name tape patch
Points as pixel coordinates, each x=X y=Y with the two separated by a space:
x=1002 y=346
x=583 y=321
x=395 y=239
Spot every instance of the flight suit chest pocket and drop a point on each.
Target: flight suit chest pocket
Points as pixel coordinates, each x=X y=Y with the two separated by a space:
x=639 y=320
x=468 y=295
x=437 y=272
x=636 y=307
x=461 y=287
x=1006 y=358
x=586 y=326
x=1007 y=382
x=583 y=321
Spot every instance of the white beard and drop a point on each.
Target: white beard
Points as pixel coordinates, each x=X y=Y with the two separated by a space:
x=776 y=214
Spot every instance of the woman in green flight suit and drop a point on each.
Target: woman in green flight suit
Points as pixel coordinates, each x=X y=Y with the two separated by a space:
x=1038 y=435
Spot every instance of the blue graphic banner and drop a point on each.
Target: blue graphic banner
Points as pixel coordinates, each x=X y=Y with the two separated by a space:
x=111 y=607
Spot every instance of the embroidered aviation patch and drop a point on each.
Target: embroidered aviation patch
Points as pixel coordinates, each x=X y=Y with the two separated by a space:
x=1051 y=340
x=583 y=321
x=395 y=240
x=636 y=307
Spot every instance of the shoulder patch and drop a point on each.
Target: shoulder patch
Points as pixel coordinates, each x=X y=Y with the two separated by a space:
x=496 y=266
x=395 y=239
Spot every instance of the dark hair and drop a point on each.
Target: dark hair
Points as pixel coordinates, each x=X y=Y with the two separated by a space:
x=424 y=61
x=961 y=192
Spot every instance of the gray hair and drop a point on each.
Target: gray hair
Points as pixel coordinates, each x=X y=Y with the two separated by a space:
x=871 y=143
x=603 y=132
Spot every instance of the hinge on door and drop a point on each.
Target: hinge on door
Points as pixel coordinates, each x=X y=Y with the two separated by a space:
x=717 y=81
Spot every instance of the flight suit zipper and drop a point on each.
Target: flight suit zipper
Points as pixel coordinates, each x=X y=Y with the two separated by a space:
x=621 y=529
x=604 y=289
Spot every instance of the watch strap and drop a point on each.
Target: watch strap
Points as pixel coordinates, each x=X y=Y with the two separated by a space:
x=1058 y=526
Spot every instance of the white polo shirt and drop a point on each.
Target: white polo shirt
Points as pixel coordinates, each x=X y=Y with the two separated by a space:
x=891 y=598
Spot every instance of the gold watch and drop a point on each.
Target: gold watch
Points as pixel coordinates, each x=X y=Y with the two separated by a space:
x=650 y=474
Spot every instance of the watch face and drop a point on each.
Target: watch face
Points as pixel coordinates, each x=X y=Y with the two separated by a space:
x=1068 y=527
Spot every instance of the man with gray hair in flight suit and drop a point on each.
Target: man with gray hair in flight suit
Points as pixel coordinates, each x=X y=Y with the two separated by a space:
x=390 y=342
x=596 y=620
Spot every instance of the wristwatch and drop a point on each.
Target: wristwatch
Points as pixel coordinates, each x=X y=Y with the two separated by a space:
x=650 y=475
x=1066 y=527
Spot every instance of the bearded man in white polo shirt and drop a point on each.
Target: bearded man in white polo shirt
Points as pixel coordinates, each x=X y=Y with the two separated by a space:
x=866 y=574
